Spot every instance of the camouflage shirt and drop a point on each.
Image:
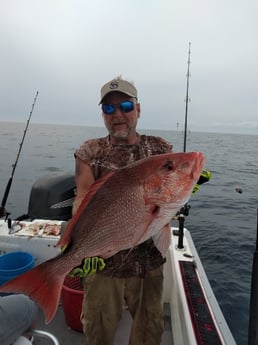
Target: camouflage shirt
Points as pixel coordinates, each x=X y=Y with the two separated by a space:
x=103 y=156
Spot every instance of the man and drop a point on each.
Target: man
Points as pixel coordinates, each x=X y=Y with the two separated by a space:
x=134 y=279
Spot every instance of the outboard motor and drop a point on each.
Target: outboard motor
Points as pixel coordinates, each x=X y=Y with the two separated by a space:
x=51 y=197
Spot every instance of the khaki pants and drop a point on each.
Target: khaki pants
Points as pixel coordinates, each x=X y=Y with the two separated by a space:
x=104 y=298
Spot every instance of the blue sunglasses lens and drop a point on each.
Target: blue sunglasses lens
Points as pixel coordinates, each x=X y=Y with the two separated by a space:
x=125 y=107
x=108 y=109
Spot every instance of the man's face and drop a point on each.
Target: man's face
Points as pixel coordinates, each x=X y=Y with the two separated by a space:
x=121 y=125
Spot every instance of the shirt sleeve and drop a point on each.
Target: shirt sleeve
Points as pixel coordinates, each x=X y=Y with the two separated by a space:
x=83 y=152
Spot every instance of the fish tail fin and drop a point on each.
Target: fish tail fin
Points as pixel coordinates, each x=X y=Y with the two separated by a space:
x=42 y=284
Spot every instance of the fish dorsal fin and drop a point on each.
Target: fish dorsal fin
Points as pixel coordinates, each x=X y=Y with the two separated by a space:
x=66 y=237
x=92 y=191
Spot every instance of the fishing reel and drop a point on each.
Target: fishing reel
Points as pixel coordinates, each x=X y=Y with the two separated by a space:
x=184 y=211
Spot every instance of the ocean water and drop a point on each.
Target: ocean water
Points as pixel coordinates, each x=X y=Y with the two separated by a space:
x=222 y=222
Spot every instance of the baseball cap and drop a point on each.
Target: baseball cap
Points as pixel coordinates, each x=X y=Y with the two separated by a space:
x=120 y=85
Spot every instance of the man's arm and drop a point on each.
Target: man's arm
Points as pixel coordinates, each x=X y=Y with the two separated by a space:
x=84 y=179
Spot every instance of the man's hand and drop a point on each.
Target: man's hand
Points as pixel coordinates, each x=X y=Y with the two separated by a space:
x=89 y=266
x=204 y=177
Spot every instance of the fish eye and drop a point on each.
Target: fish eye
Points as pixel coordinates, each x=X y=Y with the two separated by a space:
x=169 y=165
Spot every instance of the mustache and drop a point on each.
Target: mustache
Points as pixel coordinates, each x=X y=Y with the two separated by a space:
x=118 y=122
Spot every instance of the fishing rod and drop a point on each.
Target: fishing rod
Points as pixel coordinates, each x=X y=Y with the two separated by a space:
x=205 y=175
x=187 y=97
x=184 y=211
x=3 y=211
x=253 y=317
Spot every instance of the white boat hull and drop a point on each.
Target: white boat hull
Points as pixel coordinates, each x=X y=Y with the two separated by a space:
x=187 y=328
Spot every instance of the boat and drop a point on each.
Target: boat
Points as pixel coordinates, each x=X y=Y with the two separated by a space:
x=192 y=315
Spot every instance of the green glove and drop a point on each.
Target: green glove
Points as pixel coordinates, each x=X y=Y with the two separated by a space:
x=204 y=177
x=196 y=188
x=89 y=266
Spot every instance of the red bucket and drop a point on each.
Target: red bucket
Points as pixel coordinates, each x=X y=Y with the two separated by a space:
x=72 y=296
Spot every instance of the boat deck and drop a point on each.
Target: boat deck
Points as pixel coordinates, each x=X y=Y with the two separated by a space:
x=188 y=296
x=67 y=336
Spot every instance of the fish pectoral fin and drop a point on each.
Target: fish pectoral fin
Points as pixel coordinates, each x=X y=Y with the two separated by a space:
x=162 y=240
x=138 y=236
x=147 y=219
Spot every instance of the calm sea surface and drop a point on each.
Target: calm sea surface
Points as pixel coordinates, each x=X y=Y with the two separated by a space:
x=222 y=222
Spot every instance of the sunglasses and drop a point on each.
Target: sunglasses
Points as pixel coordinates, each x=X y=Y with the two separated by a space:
x=125 y=107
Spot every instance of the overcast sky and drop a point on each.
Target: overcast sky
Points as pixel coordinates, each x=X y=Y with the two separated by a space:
x=66 y=50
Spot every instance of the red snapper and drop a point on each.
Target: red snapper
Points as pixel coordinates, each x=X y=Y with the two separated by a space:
x=120 y=211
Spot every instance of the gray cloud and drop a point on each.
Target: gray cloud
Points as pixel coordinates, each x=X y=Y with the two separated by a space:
x=68 y=49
